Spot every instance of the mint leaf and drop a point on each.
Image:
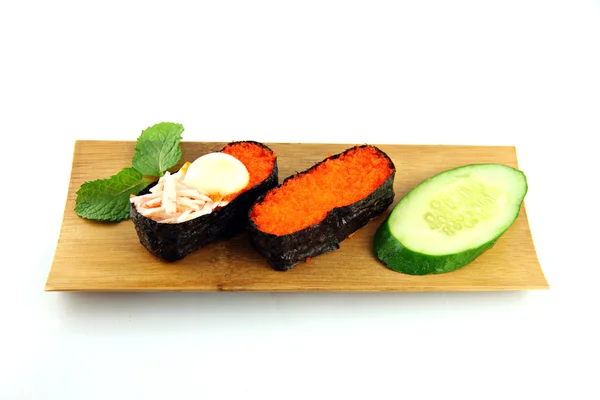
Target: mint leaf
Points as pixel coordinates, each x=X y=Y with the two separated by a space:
x=108 y=199
x=157 y=149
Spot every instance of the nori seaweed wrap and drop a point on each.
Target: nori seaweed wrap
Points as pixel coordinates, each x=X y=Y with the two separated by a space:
x=311 y=212
x=173 y=241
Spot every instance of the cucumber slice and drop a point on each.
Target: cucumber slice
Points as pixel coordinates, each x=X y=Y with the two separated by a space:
x=450 y=219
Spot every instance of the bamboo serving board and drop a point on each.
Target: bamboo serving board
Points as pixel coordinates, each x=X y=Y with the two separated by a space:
x=94 y=256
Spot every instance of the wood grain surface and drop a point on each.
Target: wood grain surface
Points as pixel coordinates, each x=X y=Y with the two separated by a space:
x=93 y=256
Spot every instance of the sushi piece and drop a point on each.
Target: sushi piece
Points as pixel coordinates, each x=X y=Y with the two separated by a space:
x=311 y=212
x=205 y=200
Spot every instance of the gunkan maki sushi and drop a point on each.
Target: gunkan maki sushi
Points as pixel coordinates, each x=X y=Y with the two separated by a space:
x=311 y=212
x=204 y=200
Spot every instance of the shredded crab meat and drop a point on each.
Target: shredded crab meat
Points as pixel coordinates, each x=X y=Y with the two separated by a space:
x=158 y=187
x=169 y=197
x=171 y=201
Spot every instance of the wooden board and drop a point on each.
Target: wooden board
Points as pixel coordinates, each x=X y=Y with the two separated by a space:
x=92 y=256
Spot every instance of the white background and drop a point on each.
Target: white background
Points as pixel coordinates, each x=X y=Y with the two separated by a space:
x=523 y=73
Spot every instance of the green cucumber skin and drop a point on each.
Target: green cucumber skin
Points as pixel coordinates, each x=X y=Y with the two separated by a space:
x=401 y=259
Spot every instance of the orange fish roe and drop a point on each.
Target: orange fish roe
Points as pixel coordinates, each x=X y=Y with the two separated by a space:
x=258 y=160
x=305 y=200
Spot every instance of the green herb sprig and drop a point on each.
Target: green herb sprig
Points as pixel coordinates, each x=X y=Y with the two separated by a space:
x=156 y=150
